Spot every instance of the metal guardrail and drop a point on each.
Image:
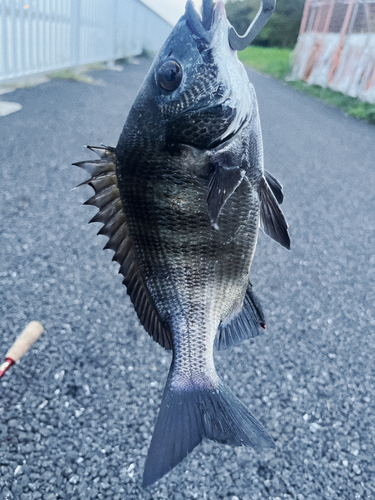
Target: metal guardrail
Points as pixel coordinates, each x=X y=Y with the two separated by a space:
x=50 y=35
x=336 y=16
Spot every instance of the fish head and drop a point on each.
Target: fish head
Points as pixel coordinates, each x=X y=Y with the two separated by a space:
x=197 y=91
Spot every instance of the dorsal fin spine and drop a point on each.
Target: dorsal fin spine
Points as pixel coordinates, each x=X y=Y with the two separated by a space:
x=107 y=198
x=148 y=321
x=138 y=296
x=154 y=326
x=127 y=263
x=102 y=181
x=122 y=251
x=114 y=241
x=113 y=224
x=104 y=197
x=106 y=212
x=131 y=285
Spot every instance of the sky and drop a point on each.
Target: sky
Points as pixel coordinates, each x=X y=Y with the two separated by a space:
x=170 y=10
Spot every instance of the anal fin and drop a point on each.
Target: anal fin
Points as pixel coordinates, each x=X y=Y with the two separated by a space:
x=248 y=323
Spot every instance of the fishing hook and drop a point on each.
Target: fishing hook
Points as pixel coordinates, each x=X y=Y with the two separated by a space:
x=207 y=14
x=238 y=42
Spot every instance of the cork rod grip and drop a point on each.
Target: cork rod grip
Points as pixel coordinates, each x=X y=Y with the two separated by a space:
x=30 y=334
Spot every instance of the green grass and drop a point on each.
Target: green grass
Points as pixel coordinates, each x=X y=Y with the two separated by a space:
x=351 y=105
x=70 y=74
x=78 y=74
x=273 y=61
x=276 y=63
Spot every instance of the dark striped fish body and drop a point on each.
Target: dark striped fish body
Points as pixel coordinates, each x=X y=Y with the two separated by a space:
x=181 y=198
x=195 y=273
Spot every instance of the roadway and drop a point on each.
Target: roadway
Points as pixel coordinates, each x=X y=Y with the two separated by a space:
x=77 y=412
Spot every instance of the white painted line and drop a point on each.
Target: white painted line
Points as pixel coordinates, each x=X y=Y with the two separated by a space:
x=6 y=108
x=6 y=90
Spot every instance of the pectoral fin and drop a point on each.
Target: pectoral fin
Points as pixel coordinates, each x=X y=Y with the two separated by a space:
x=223 y=183
x=272 y=220
x=276 y=186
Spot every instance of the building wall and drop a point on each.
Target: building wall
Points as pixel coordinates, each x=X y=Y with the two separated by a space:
x=51 y=35
x=336 y=46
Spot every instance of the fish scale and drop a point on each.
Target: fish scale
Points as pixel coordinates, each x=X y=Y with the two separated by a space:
x=181 y=198
x=162 y=234
x=193 y=324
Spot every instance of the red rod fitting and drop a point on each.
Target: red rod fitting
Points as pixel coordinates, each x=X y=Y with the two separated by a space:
x=7 y=364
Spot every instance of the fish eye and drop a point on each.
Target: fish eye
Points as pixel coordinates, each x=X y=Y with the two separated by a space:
x=169 y=75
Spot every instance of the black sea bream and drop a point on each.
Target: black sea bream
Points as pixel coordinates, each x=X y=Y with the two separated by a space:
x=182 y=197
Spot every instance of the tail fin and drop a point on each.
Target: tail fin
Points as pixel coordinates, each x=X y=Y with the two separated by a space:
x=187 y=417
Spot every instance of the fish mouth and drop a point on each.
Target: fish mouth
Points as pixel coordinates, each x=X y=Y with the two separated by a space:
x=215 y=100
x=204 y=27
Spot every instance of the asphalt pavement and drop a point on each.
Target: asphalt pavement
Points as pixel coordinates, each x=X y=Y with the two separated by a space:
x=77 y=412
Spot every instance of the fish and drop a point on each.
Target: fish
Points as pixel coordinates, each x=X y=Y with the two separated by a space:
x=181 y=199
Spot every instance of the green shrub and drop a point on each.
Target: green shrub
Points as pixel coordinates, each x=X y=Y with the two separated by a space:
x=276 y=62
x=281 y=30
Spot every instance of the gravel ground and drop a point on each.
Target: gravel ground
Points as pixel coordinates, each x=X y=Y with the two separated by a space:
x=77 y=412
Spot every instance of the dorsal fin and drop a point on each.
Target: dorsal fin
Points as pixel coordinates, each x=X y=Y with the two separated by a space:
x=107 y=198
x=249 y=322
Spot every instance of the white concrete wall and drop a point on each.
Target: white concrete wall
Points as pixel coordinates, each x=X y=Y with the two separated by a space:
x=41 y=36
x=317 y=53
